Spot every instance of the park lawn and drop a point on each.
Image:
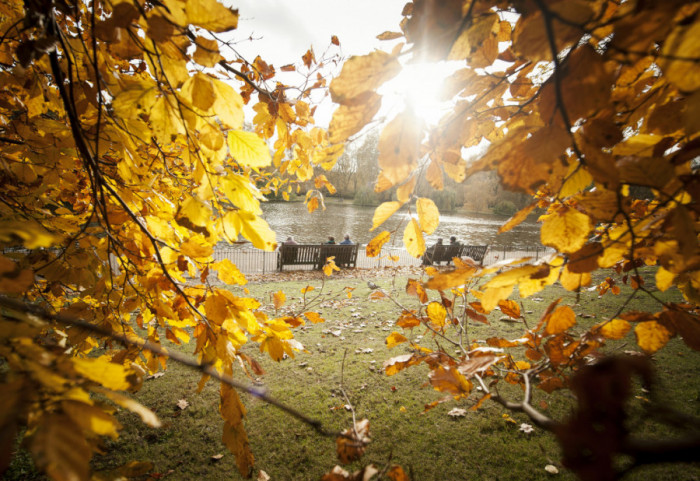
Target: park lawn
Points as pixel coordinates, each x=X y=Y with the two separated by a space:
x=349 y=346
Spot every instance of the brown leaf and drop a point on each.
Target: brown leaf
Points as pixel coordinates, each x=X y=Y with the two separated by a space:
x=351 y=446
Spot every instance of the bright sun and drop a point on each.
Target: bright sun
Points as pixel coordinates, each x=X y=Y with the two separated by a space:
x=419 y=86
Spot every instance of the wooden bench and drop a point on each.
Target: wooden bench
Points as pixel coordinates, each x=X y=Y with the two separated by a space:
x=316 y=255
x=445 y=253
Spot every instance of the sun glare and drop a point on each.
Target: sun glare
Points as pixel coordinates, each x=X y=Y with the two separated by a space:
x=418 y=86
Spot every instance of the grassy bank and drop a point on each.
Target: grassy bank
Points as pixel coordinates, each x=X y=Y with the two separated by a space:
x=349 y=346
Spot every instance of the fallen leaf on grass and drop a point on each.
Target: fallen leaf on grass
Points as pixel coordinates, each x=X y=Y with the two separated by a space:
x=182 y=404
x=263 y=476
x=457 y=413
x=551 y=469
x=217 y=457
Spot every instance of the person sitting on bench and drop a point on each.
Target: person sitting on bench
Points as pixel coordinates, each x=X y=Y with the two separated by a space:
x=346 y=240
x=428 y=256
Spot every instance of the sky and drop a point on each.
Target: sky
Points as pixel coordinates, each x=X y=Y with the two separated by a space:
x=283 y=31
x=289 y=28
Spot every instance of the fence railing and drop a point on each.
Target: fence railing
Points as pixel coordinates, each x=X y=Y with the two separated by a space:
x=254 y=261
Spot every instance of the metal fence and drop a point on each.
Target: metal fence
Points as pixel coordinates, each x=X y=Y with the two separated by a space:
x=254 y=261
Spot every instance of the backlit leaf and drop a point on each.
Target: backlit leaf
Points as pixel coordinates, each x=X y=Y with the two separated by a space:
x=428 y=215
x=383 y=212
x=651 y=336
x=399 y=147
x=510 y=308
x=361 y=74
x=102 y=371
x=566 y=230
x=560 y=320
x=279 y=299
x=395 y=338
x=413 y=239
x=374 y=247
x=211 y=15
x=615 y=329
x=437 y=313
x=248 y=149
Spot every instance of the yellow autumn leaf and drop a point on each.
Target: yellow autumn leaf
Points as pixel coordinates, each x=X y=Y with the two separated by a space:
x=560 y=320
x=664 y=279
x=228 y=105
x=566 y=229
x=652 y=336
x=228 y=273
x=330 y=266
x=279 y=299
x=196 y=211
x=428 y=215
x=248 y=149
x=615 y=329
x=253 y=228
x=395 y=338
x=383 y=212
x=572 y=281
x=437 y=313
x=211 y=15
x=399 y=148
x=678 y=57
x=91 y=418
x=207 y=53
x=241 y=193
x=196 y=247
x=374 y=247
x=405 y=191
x=104 y=372
x=493 y=295
x=165 y=119
x=449 y=279
x=413 y=239
x=361 y=74
x=199 y=89
x=347 y=120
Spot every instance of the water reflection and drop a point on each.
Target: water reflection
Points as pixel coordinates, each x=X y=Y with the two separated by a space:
x=292 y=219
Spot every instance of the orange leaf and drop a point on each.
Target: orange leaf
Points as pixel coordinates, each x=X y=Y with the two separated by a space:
x=414 y=288
x=314 y=317
x=560 y=320
x=279 y=298
x=509 y=308
x=445 y=378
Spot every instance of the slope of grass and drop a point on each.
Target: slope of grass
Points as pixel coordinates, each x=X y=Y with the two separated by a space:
x=346 y=353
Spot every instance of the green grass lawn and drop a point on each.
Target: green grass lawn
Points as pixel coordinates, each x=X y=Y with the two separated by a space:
x=349 y=345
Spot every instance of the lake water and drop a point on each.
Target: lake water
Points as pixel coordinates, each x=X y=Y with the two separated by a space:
x=292 y=219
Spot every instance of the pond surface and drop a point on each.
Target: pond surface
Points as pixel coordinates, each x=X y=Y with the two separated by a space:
x=292 y=219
